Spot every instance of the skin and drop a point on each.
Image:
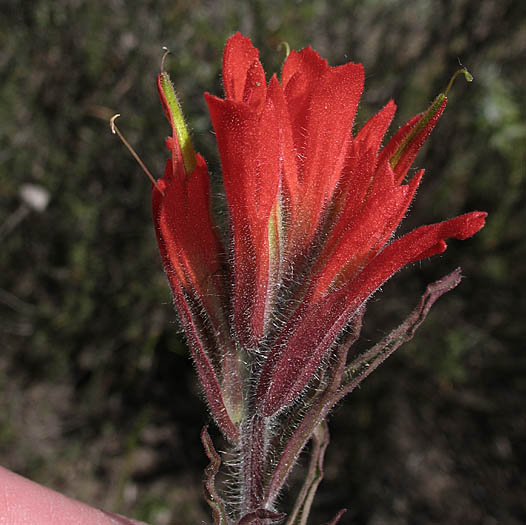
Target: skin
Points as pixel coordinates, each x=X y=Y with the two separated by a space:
x=24 y=502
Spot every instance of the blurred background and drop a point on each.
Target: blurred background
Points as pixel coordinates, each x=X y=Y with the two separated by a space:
x=98 y=398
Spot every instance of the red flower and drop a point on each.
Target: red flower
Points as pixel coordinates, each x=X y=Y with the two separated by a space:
x=313 y=208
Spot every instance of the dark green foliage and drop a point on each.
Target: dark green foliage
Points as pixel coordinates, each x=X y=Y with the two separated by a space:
x=97 y=395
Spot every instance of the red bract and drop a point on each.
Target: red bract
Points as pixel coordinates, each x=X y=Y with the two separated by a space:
x=313 y=209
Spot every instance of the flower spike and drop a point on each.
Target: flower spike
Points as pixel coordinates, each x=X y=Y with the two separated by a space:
x=313 y=210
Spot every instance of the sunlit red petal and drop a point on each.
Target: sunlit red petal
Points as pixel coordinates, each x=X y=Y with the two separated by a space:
x=184 y=226
x=249 y=146
x=307 y=63
x=301 y=73
x=256 y=87
x=366 y=235
x=287 y=152
x=328 y=131
x=238 y=58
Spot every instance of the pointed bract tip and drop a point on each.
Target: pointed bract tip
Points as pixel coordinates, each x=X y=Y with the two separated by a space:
x=474 y=222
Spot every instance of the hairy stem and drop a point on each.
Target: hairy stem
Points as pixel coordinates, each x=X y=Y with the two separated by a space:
x=253 y=454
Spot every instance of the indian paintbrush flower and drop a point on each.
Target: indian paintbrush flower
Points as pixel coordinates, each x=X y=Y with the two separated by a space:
x=270 y=312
